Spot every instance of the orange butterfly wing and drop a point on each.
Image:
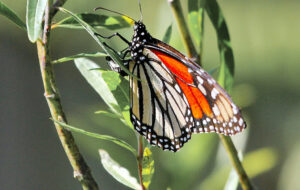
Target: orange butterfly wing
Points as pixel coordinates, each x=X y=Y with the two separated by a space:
x=212 y=108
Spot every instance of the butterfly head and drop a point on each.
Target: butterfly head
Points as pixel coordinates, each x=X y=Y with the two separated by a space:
x=140 y=37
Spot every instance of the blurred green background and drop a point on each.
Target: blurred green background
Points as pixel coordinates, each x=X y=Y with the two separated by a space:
x=266 y=44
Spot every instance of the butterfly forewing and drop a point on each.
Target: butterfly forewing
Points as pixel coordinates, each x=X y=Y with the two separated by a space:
x=162 y=116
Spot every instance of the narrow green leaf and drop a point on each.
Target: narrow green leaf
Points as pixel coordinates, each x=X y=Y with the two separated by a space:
x=98 y=136
x=196 y=21
x=148 y=167
x=99 y=40
x=112 y=87
x=71 y=58
x=120 y=173
x=167 y=35
x=12 y=16
x=34 y=17
x=112 y=79
x=96 y=21
x=95 y=79
x=120 y=89
x=226 y=72
x=108 y=114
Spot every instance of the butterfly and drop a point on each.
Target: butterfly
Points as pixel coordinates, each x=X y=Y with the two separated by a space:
x=171 y=96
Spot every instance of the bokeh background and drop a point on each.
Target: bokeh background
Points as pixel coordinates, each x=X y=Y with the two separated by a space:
x=266 y=43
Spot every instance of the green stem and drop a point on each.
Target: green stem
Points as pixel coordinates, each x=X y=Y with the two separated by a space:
x=140 y=160
x=227 y=142
x=81 y=169
x=58 y=3
x=183 y=29
x=233 y=156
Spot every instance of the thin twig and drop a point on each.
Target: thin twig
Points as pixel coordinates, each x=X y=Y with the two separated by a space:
x=140 y=160
x=185 y=35
x=81 y=169
x=227 y=142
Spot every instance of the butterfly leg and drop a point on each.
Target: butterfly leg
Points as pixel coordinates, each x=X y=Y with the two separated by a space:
x=124 y=50
x=115 y=34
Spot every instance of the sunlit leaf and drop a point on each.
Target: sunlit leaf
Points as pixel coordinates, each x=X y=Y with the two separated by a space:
x=99 y=136
x=71 y=58
x=148 y=167
x=12 y=16
x=167 y=35
x=94 y=77
x=34 y=17
x=120 y=88
x=112 y=87
x=96 y=21
x=112 y=79
x=226 y=72
x=120 y=173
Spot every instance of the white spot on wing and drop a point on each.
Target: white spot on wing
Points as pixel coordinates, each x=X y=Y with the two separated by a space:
x=234 y=109
x=214 y=93
x=185 y=100
x=177 y=88
x=200 y=80
x=188 y=112
x=241 y=122
x=202 y=89
x=216 y=110
x=234 y=119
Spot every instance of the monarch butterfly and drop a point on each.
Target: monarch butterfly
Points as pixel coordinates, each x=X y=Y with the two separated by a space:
x=174 y=97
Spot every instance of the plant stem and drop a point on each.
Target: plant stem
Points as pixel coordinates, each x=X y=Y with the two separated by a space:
x=227 y=142
x=58 y=3
x=81 y=169
x=233 y=156
x=183 y=29
x=140 y=160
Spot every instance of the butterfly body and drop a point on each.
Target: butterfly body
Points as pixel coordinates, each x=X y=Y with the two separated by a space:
x=174 y=97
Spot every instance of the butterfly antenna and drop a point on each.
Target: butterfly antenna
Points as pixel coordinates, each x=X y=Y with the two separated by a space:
x=141 y=12
x=102 y=8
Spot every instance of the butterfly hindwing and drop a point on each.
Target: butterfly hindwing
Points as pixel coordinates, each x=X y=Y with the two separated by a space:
x=226 y=117
x=212 y=108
